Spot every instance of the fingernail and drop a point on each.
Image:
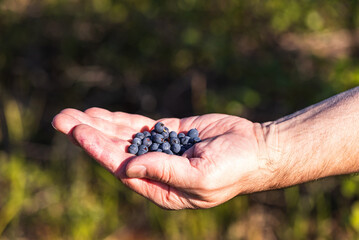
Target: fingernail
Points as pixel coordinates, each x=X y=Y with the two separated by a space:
x=136 y=172
x=52 y=123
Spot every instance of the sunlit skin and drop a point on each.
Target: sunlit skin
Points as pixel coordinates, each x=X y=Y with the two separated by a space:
x=210 y=173
x=235 y=157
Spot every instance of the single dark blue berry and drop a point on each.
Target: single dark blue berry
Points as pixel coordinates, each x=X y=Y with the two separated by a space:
x=173 y=134
x=183 y=149
x=165 y=146
x=147 y=142
x=176 y=148
x=137 y=141
x=140 y=135
x=158 y=138
x=153 y=133
x=168 y=152
x=165 y=134
x=142 y=150
x=159 y=127
x=146 y=134
x=174 y=141
x=185 y=140
x=188 y=146
x=133 y=148
x=154 y=147
x=181 y=135
x=193 y=133
x=196 y=140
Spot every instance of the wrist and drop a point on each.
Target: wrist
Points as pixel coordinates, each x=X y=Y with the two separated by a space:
x=270 y=154
x=287 y=150
x=318 y=141
x=290 y=145
x=315 y=142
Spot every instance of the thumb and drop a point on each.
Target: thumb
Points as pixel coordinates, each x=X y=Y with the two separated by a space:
x=170 y=169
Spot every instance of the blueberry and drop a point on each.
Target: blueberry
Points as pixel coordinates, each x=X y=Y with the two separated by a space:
x=174 y=141
x=168 y=152
x=165 y=134
x=173 y=134
x=181 y=135
x=188 y=146
x=159 y=127
x=158 y=138
x=193 y=133
x=137 y=141
x=185 y=140
x=133 y=148
x=140 y=135
x=147 y=142
x=176 y=148
x=142 y=150
x=165 y=146
x=146 y=134
x=154 y=147
x=183 y=149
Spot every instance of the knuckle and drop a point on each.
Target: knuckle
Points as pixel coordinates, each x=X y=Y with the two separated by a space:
x=160 y=173
x=68 y=111
x=92 y=110
x=165 y=173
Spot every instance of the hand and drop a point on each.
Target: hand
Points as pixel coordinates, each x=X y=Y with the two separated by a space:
x=230 y=160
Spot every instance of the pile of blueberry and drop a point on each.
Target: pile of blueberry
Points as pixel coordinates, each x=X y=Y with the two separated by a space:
x=162 y=140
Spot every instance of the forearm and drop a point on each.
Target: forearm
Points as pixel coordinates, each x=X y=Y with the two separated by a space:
x=316 y=142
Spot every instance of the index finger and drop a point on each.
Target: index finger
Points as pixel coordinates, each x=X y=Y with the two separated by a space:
x=134 y=121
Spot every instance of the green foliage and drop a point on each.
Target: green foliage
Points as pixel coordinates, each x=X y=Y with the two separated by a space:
x=256 y=59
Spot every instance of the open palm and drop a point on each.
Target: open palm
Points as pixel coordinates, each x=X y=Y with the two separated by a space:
x=230 y=160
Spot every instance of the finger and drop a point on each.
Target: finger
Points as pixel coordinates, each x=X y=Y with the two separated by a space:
x=139 y=124
x=64 y=123
x=107 y=127
x=161 y=194
x=110 y=154
x=173 y=170
x=134 y=121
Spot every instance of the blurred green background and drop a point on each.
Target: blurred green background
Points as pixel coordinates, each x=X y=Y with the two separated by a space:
x=256 y=59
